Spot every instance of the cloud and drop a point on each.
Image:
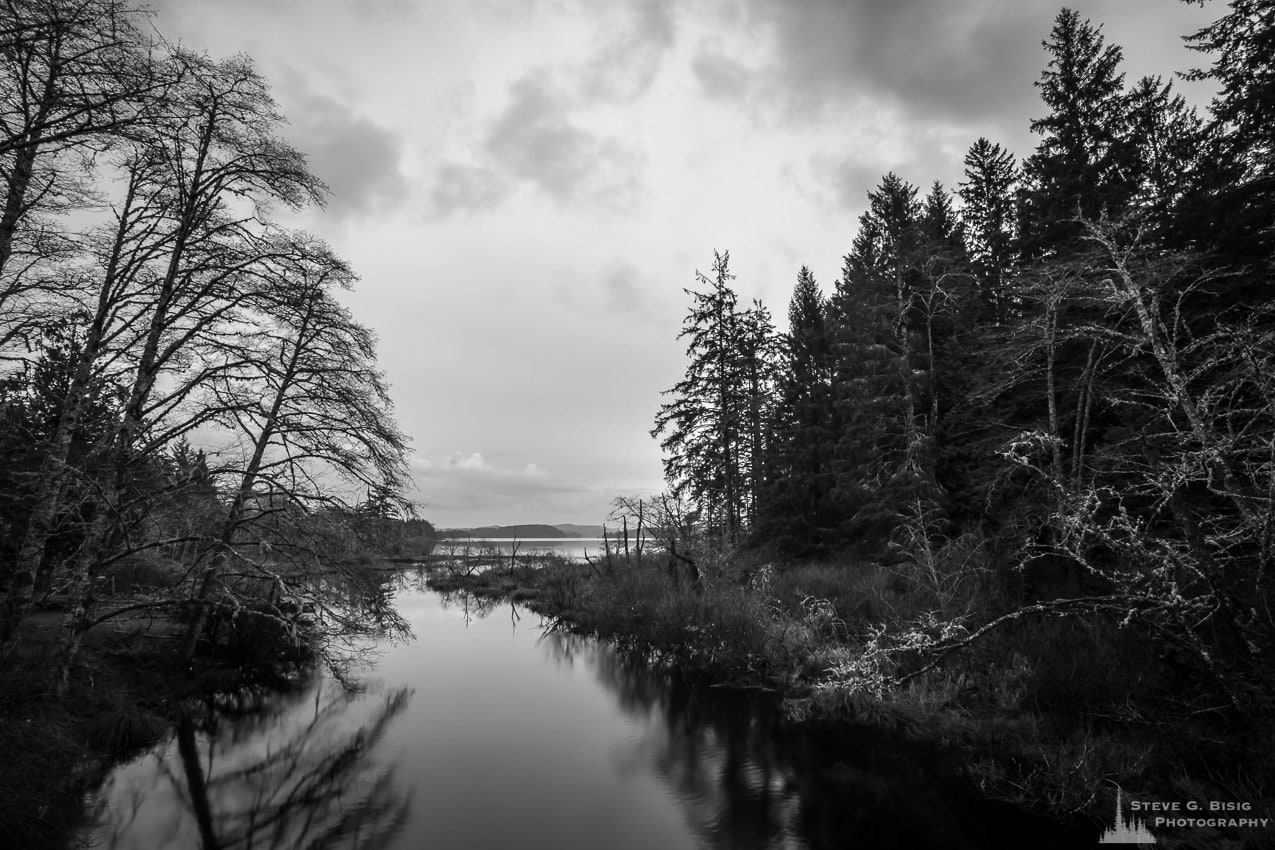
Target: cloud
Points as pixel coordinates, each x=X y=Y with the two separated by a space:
x=461 y=486
x=841 y=181
x=851 y=180
x=473 y=466
x=536 y=140
x=465 y=189
x=719 y=75
x=358 y=158
x=474 y=461
x=624 y=293
x=617 y=288
x=627 y=63
x=937 y=58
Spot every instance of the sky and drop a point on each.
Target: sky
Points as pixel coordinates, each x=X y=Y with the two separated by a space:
x=526 y=188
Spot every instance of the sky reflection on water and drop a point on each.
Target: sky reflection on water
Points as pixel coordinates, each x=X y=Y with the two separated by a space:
x=488 y=732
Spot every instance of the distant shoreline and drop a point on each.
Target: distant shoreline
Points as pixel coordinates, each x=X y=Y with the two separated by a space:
x=526 y=531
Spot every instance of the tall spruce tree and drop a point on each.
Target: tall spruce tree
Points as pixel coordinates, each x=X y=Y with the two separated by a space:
x=797 y=512
x=758 y=353
x=713 y=426
x=1232 y=213
x=1080 y=168
x=1167 y=138
x=942 y=294
x=880 y=454
x=989 y=211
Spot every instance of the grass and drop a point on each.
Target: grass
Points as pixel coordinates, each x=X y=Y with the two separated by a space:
x=492 y=577
x=743 y=625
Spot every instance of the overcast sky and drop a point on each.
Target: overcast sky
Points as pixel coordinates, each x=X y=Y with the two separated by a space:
x=526 y=187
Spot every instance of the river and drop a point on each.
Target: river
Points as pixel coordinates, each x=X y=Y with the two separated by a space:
x=487 y=731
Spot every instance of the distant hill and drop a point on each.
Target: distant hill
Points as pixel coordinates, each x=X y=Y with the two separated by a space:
x=573 y=530
x=505 y=532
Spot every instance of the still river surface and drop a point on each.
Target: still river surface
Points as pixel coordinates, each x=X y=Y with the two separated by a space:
x=488 y=731
x=572 y=548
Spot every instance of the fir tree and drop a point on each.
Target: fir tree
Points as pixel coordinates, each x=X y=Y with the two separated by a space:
x=1167 y=138
x=1080 y=168
x=797 y=511
x=880 y=448
x=1232 y=213
x=990 y=216
x=714 y=429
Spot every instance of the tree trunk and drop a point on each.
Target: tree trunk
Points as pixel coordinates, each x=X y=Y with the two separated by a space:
x=1080 y=434
x=243 y=495
x=74 y=625
x=910 y=435
x=31 y=572
x=196 y=784
x=203 y=611
x=1051 y=391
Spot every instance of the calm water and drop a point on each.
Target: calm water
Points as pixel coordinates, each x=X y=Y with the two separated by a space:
x=487 y=732
x=571 y=547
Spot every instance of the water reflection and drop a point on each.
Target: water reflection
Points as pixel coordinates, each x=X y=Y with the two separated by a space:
x=745 y=780
x=571 y=548
x=305 y=776
x=528 y=737
x=712 y=749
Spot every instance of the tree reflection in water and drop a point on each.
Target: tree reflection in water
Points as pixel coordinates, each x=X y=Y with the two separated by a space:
x=717 y=752
x=745 y=780
x=309 y=779
x=504 y=751
x=480 y=607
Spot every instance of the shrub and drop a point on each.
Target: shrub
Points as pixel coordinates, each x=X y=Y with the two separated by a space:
x=860 y=594
x=144 y=571
x=1082 y=666
x=125 y=728
x=255 y=635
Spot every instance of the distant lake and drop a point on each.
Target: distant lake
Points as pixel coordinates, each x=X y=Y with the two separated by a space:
x=574 y=548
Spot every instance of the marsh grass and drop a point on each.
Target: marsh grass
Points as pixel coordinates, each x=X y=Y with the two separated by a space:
x=743 y=624
x=126 y=728
x=519 y=576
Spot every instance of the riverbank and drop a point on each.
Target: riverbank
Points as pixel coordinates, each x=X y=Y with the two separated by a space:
x=1050 y=714
x=123 y=697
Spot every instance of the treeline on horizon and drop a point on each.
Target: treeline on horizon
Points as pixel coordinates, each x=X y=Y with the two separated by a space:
x=1064 y=369
x=151 y=303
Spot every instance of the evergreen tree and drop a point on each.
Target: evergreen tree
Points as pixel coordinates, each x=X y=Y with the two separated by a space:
x=942 y=293
x=1233 y=209
x=880 y=451
x=758 y=352
x=704 y=426
x=989 y=213
x=1081 y=167
x=1167 y=138
x=797 y=512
